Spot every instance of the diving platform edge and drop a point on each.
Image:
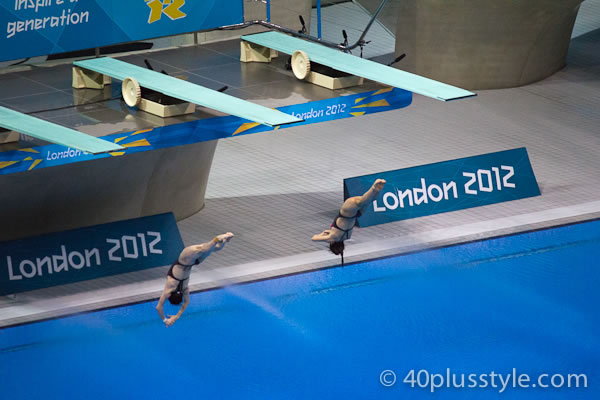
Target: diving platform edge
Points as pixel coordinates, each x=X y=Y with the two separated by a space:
x=187 y=91
x=358 y=66
x=50 y=132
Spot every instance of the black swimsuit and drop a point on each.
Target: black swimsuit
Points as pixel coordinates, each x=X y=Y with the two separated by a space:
x=170 y=273
x=339 y=215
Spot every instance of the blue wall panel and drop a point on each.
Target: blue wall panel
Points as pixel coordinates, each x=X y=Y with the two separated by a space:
x=40 y=27
x=446 y=186
x=88 y=253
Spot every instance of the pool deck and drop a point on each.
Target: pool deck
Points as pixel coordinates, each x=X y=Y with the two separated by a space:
x=275 y=190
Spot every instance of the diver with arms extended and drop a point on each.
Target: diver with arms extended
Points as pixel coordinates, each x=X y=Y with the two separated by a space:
x=176 y=287
x=343 y=223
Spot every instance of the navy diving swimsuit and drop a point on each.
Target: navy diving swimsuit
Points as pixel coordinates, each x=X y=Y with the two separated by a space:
x=339 y=215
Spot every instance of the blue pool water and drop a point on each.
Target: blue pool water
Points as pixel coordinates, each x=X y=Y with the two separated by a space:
x=528 y=302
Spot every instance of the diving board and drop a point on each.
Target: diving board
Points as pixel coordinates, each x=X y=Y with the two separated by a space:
x=187 y=91
x=358 y=66
x=44 y=130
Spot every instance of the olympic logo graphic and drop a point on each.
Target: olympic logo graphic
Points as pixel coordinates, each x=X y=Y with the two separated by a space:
x=171 y=8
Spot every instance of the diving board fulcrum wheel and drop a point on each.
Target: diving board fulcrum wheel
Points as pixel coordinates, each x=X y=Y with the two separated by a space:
x=132 y=93
x=300 y=64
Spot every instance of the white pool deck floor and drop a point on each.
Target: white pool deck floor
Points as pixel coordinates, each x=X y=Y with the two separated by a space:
x=275 y=190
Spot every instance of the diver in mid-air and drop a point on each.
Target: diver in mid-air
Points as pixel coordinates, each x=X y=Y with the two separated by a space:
x=343 y=223
x=176 y=287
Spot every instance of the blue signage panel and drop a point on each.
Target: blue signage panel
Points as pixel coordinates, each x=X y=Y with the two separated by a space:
x=446 y=186
x=88 y=253
x=40 y=27
x=351 y=106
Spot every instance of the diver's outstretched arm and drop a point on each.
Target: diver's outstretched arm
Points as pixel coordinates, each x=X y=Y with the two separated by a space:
x=160 y=306
x=186 y=301
x=169 y=288
x=323 y=236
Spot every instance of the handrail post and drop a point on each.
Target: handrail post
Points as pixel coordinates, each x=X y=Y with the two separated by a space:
x=319 y=19
x=268 y=10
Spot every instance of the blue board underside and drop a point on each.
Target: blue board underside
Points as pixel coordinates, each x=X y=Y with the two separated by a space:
x=358 y=66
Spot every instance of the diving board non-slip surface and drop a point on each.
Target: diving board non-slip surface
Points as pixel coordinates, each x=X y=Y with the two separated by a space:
x=187 y=91
x=358 y=66
x=44 y=130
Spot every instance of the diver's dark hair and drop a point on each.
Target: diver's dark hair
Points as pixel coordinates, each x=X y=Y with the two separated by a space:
x=337 y=248
x=176 y=297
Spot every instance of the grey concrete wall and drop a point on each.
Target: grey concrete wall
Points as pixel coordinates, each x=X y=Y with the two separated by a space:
x=485 y=44
x=283 y=12
x=388 y=15
x=106 y=190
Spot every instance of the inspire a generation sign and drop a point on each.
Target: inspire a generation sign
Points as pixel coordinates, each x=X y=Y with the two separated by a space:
x=88 y=253
x=446 y=186
x=40 y=27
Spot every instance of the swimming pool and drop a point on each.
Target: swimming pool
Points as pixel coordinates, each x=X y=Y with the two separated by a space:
x=527 y=301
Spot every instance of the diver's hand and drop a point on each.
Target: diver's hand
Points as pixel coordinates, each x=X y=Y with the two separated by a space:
x=171 y=320
x=323 y=236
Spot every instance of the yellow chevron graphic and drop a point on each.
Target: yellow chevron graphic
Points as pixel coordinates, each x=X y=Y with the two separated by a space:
x=359 y=100
x=358 y=114
x=117 y=153
x=4 y=164
x=172 y=9
x=35 y=164
x=28 y=159
x=277 y=127
x=383 y=91
x=143 y=131
x=119 y=139
x=378 y=103
x=137 y=143
x=156 y=8
x=245 y=126
x=30 y=150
